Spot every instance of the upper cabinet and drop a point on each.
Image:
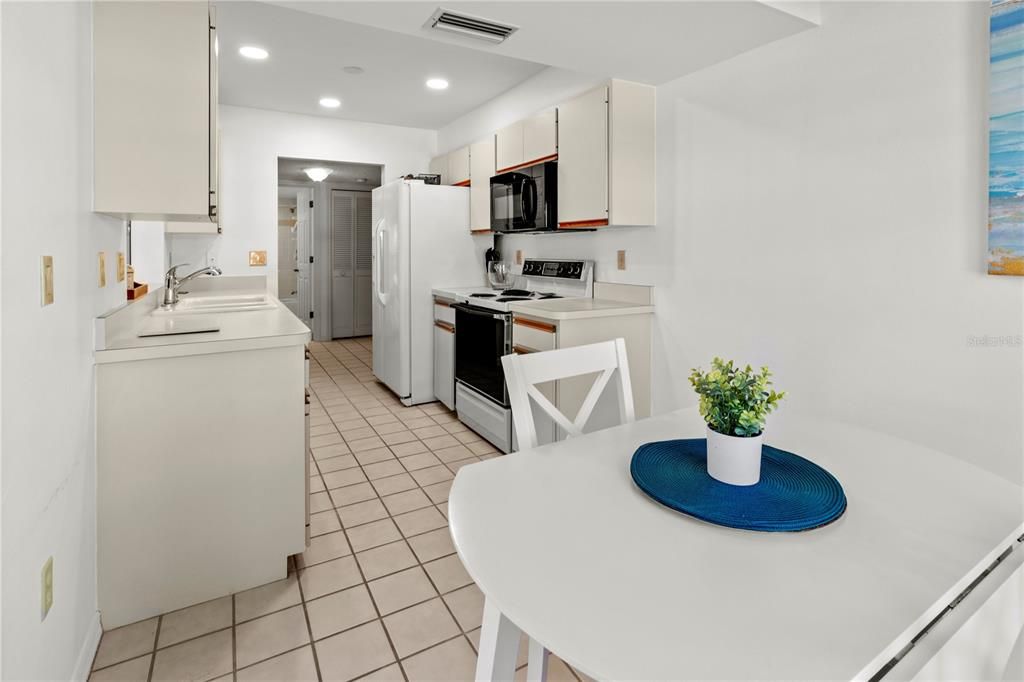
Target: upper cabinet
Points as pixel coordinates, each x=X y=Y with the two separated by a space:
x=606 y=157
x=155 y=110
x=527 y=142
x=439 y=166
x=458 y=166
x=481 y=158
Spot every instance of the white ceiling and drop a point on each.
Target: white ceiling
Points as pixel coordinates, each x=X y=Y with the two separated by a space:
x=649 y=42
x=307 y=53
x=290 y=170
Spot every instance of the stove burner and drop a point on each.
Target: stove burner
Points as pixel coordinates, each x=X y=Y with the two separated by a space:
x=506 y=299
x=517 y=292
x=545 y=296
x=482 y=295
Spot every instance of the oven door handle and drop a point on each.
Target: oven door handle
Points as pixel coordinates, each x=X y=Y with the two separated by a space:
x=479 y=312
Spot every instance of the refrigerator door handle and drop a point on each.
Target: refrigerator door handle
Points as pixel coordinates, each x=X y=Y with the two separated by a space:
x=381 y=296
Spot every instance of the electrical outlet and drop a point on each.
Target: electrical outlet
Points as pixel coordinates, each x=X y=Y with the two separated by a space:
x=46 y=585
x=120 y=266
x=519 y=256
x=257 y=258
x=621 y=260
x=102 y=264
x=46 y=280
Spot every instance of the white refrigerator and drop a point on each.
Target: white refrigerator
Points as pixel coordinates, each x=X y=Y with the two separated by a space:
x=421 y=240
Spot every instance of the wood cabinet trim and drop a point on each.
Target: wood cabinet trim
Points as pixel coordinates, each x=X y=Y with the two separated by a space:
x=446 y=326
x=443 y=302
x=525 y=164
x=523 y=350
x=462 y=183
x=578 y=224
x=534 y=324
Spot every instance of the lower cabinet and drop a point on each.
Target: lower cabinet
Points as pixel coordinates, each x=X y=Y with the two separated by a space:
x=444 y=354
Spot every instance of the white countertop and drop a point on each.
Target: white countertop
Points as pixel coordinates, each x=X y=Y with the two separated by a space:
x=629 y=589
x=578 y=308
x=117 y=338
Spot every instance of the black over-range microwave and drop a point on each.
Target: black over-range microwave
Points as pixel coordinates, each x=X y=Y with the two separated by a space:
x=525 y=200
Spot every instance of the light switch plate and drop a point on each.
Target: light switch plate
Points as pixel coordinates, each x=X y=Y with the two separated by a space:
x=46 y=589
x=102 y=264
x=120 y=266
x=46 y=277
x=257 y=258
x=621 y=260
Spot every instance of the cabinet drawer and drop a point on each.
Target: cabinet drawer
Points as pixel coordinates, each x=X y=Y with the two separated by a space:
x=531 y=335
x=443 y=312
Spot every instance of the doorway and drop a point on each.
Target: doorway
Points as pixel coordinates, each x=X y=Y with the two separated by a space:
x=331 y=276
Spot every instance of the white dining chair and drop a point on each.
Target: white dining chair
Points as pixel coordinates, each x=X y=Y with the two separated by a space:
x=522 y=374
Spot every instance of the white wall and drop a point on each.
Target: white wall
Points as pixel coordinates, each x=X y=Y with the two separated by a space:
x=822 y=209
x=48 y=441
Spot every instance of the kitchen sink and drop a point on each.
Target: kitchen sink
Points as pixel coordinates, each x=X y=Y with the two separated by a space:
x=223 y=303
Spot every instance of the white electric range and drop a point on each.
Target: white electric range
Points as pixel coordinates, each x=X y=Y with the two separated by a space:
x=483 y=335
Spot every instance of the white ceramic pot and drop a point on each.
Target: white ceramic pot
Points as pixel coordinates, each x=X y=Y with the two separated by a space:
x=734 y=460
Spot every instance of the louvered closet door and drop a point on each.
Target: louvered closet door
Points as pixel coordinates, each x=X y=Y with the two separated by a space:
x=343 y=271
x=363 y=322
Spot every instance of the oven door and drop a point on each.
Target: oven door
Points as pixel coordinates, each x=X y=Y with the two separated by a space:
x=482 y=337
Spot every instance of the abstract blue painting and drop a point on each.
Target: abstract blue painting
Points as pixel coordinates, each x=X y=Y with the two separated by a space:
x=1006 y=139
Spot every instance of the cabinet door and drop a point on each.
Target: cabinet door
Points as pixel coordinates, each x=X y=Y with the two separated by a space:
x=439 y=166
x=583 y=160
x=481 y=168
x=444 y=364
x=508 y=147
x=540 y=137
x=458 y=166
x=158 y=57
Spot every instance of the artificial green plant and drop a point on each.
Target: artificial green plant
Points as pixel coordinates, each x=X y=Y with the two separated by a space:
x=735 y=401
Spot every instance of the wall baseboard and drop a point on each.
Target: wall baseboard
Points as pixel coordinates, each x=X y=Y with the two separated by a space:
x=88 y=651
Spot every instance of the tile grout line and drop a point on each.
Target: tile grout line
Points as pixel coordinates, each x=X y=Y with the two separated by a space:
x=156 y=641
x=309 y=626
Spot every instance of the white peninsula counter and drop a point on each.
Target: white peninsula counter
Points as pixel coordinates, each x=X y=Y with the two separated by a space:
x=201 y=448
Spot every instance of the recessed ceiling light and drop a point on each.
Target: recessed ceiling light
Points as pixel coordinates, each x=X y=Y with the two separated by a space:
x=317 y=174
x=330 y=102
x=354 y=70
x=437 y=83
x=253 y=52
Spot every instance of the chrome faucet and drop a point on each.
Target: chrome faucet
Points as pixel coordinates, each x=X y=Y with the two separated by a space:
x=171 y=281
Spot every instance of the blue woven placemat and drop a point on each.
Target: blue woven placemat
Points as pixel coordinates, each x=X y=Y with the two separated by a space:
x=793 y=493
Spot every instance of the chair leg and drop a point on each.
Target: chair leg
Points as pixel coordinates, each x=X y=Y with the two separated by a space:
x=499 y=646
x=537 y=665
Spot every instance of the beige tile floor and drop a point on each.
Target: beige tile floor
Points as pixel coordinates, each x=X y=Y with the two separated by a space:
x=379 y=594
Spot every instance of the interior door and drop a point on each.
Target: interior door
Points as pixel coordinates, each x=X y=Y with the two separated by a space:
x=343 y=227
x=304 y=243
x=362 y=307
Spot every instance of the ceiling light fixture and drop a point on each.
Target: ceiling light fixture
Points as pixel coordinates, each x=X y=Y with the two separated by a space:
x=437 y=83
x=317 y=174
x=253 y=52
x=330 y=102
x=354 y=70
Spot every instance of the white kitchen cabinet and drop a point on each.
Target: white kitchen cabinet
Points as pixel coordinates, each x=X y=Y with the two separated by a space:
x=540 y=137
x=444 y=353
x=527 y=142
x=606 y=157
x=481 y=168
x=458 y=166
x=439 y=166
x=155 y=111
x=508 y=147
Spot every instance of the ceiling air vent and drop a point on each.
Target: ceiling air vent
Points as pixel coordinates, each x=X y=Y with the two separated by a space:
x=468 y=25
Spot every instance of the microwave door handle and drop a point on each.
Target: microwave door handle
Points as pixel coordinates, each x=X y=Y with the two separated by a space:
x=530 y=200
